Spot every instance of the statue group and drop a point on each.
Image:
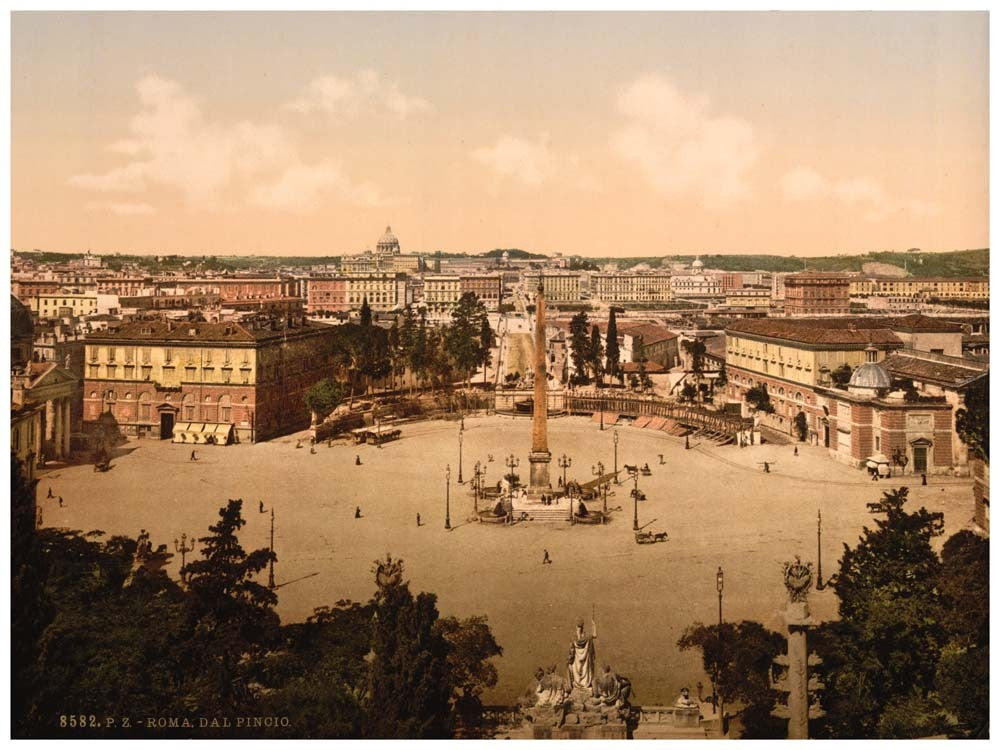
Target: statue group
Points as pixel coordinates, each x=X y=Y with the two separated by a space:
x=581 y=697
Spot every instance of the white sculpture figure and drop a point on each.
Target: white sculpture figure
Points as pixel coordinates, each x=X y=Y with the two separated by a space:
x=581 y=658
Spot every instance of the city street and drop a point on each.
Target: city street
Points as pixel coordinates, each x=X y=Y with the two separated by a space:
x=717 y=505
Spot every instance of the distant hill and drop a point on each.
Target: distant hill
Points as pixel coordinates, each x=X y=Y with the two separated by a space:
x=916 y=263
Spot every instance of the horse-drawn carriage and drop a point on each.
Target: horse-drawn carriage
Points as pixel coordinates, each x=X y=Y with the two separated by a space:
x=650 y=537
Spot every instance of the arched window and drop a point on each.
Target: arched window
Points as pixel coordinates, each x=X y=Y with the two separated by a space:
x=798 y=395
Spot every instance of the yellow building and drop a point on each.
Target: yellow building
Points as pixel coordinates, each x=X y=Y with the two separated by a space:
x=630 y=287
x=559 y=287
x=748 y=298
x=385 y=291
x=153 y=375
x=59 y=305
x=969 y=288
x=442 y=292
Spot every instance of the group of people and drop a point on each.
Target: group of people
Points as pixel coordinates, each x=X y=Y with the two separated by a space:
x=548 y=499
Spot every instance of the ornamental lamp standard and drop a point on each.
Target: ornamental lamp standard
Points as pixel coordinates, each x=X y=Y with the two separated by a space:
x=270 y=574
x=819 y=550
x=461 y=433
x=598 y=471
x=616 y=454
x=447 y=497
x=564 y=463
x=477 y=486
x=512 y=463
x=718 y=587
x=183 y=548
x=635 y=499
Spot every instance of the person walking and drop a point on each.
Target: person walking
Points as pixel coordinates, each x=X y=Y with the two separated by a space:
x=796 y=451
x=194 y=456
x=546 y=560
x=418 y=519
x=357 y=512
x=60 y=501
x=767 y=468
x=261 y=507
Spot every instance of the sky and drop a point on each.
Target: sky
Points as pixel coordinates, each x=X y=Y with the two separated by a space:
x=601 y=134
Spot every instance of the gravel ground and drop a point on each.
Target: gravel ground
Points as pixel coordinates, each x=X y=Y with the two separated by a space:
x=717 y=505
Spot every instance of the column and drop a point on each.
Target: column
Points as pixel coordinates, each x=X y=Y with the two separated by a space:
x=59 y=427
x=68 y=426
x=50 y=421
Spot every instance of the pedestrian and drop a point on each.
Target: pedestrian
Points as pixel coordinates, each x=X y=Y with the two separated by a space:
x=546 y=560
x=261 y=508
x=298 y=443
x=50 y=495
x=661 y=459
x=357 y=512
x=923 y=479
x=796 y=451
x=687 y=443
x=357 y=460
x=767 y=468
x=194 y=456
x=60 y=501
x=874 y=475
x=418 y=519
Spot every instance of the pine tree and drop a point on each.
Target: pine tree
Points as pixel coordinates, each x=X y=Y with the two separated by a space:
x=596 y=355
x=232 y=615
x=409 y=679
x=579 y=347
x=487 y=340
x=366 y=312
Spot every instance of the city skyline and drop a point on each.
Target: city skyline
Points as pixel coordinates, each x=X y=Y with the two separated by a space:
x=600 y=135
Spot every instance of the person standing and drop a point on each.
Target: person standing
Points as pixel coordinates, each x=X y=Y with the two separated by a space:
x=357 y=511
x=418 y=519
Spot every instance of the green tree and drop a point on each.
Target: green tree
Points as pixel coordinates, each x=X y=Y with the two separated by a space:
x=842 y=376
x=472 y=646
x=407 y=342
x=232 y=618
x=688 y=392
x=487 y=340
x=759 y=399
x=696 y=349
x=972 y=422
x=880 y=658
x=595 y=354
x=319 y=680
x=801 y=425
x=323 y=397
x=612 y=349
x=463 y=337
x=739 y=656
x=409 y=681
x=579 y=344
x=366 y=312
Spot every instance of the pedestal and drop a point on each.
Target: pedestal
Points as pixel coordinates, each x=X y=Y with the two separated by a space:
x=539 y=470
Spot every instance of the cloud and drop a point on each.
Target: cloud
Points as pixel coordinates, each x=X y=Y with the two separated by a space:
x=121 y=209
x=300 y=188
x=172 y=144
x=864 y=193
x=364 y=93
x=528 y=163
x=680 y=147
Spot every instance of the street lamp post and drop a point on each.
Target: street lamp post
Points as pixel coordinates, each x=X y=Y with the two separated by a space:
x=819 y=550
x=477 y=486
x=461 y=432
x=616 y=455
x=564 y=463
x=512 y=463
x=718 y=692
x=447 y=496
x=635 y=499
x=598 y=471
x=183 y=548
x=270 y=574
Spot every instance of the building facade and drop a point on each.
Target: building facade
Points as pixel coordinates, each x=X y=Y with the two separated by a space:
x=62 y=305
x=153 y=374
x=630 y=287
x=808 y=294
x=695 y=285
x=487 y=287
x=559 y=286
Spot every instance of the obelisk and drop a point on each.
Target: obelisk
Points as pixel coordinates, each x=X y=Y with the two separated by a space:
x=540 y=456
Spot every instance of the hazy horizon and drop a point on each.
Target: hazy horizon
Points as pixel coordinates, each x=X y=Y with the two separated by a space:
x=599 y=135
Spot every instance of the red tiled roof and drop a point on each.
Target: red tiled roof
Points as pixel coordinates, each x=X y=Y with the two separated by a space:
x=652 y=368
x=806 y=331
x=915 y=367
x=159 y=330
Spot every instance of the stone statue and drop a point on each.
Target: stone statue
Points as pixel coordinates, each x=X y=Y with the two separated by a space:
x=612 y=689
x=798 y=579
x=581 y=659
x=388 y=572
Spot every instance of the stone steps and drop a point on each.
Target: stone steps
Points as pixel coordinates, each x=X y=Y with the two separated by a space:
x=545 y=513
